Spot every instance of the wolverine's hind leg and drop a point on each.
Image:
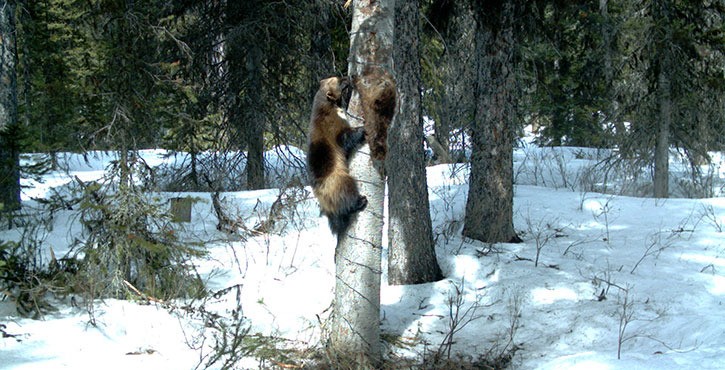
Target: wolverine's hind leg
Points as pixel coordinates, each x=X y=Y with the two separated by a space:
x=351 y=201
x=348 y=203
x=339 y=222
x=362 y=202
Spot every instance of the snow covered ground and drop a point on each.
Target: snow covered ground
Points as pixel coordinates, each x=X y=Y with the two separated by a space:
x=615 y=273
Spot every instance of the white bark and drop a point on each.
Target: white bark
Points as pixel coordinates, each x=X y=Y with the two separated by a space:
x=355 y=327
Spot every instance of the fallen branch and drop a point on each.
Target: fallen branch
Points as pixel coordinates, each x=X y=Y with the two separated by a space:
x=142 y=295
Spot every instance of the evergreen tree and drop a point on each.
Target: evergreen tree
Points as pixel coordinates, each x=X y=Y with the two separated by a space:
x=9 y=126
x=411 y=251
x=448 y=72
x=128 y=238
x=663 y=64
x=566 y=51
x=245 y=59
x=52 y=52
x=489 y=207
x=674 y=96
x=267 y=78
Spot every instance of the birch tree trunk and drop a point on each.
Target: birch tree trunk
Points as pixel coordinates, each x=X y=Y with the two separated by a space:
x=489 y=208
x=355 y=330
x=9 y=150
x=411 y=251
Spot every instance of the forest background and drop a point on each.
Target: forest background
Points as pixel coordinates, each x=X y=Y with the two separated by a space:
x=225 y=81
x=231 y=76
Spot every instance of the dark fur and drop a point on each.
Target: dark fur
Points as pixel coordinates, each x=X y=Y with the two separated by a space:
x=331 y=143
x=378 y=98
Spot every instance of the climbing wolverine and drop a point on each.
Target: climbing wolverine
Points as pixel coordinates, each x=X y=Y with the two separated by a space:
x=378 y=98
x=331 y=142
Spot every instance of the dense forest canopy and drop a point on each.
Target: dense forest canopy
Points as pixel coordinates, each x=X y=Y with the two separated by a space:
x=197 y=75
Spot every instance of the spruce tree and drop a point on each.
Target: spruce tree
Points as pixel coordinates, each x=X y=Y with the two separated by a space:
x=674 y=95
x=9 y=126
x=411 y=250
x=489 y=206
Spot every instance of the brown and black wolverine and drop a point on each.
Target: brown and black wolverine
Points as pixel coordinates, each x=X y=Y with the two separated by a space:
x=331 y=142
x=378 y=98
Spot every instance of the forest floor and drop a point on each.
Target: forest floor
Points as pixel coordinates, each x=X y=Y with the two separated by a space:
x=600 y=282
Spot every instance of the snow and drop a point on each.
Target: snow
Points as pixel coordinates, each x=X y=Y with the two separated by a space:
x=663 y=261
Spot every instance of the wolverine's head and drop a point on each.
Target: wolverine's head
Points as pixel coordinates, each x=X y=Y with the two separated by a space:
x=337 y=90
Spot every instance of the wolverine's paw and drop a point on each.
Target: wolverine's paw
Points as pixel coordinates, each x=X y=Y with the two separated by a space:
x=361 y=132
x=362 y=202
x=361 y=136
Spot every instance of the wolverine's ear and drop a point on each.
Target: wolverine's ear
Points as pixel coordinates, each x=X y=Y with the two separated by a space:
x=331 y=96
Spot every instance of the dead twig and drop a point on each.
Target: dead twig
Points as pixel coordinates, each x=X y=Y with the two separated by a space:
x=143 y=295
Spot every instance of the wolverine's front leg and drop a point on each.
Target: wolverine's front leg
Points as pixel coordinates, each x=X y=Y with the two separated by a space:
x=351 y=139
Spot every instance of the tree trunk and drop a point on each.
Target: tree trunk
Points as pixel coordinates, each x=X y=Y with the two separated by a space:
x=246 y=93
x=255 y=118
x=411 y=251
x=664 y=101
x=559 y=127
x=9 y=149
x=321 y=57
x=662 y=143
x=489 y=209
x=607 y=32
x=355 y=330
x=456 y=96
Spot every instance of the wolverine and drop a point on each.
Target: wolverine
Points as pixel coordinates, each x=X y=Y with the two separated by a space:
x=378 y=100
x=331 y=142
